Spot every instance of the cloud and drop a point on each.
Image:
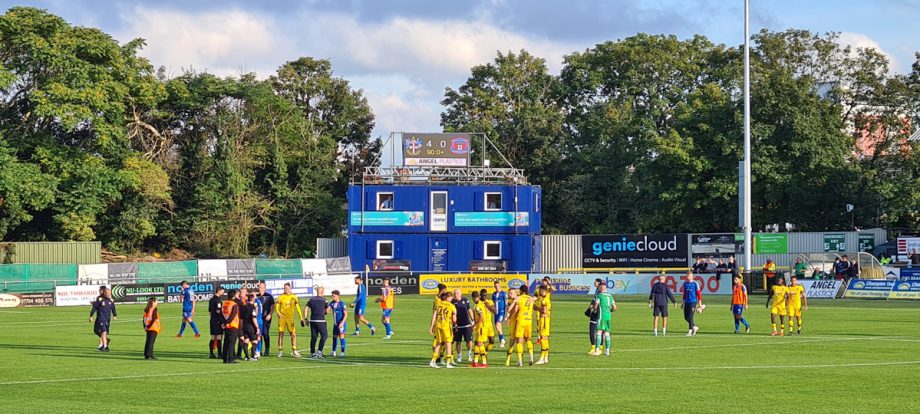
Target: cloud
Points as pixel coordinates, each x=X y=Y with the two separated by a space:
x=429 y=49
x=219 y=42
x=861 y=41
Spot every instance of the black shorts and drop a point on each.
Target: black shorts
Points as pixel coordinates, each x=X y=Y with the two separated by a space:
x=100 y=327
x=463 y=334
x=660 y=311
x=249 y=332
x=216 y=329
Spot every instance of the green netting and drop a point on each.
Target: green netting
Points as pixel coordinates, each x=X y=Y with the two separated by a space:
x=274 y=268
x=166 y=272
x=36 y=277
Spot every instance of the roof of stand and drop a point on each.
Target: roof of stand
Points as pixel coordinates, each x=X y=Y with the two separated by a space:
x=443 y=175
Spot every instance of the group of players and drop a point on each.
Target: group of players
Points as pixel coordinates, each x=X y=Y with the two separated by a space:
x=240 y=322
x=454 y=321
x=244 y=319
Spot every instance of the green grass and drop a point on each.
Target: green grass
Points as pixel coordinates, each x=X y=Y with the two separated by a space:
x=855 y=356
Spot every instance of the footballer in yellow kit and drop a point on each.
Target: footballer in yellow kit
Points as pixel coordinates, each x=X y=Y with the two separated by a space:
x=489 y=313
x=778 y=297
x=794 y=303
x=442 y=327
x=543 y=308
x=446 y=317
x=285 y=306
x=522 y=312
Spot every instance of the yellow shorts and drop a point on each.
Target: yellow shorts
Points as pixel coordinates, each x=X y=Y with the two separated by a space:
x=445 y=335
x=779 y=310
x=543 y=327
x=794 y=311
x=287 y=325
x=482 y=335
x=523 y=329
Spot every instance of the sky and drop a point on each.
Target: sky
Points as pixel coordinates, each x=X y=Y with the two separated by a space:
x=404 y=53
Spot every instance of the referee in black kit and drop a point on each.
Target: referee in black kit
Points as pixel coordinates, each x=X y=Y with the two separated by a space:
x=319 y=307
x=268 y=309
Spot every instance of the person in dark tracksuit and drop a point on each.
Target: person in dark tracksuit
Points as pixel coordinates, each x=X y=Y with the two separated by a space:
x=319 y=307
x=217 y=331
x=104 y=310
x=230 y=322
x=658 y=300
x=268 y=309
x=593 y=316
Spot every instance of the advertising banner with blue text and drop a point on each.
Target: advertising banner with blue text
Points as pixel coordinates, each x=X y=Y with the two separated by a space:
x=628 y=284
x=873 y=289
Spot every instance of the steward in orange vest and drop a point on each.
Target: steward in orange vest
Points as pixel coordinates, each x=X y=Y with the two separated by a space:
x=230 y=320
x=151 y=326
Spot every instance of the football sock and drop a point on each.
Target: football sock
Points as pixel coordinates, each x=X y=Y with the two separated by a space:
x=598 y=340
x=607 y=341
x=489 y=347
x=343 y=344
x=501 y=337
x=774 y=326
x=182 y=328
x=745 y=322
x=195 y=328
x=476 y=354
x=530 y=349
x=520 y=351
x=387 y=326
x=737 y=324
x=434 y=356
x=335 y=342
x=799 y=320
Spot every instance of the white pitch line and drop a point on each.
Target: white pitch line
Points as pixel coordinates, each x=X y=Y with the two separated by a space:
x=46 y=324
x=174 y=374
x=695 y=368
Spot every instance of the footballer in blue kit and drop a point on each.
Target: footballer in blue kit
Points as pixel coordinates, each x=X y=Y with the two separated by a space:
x=340 y=315
x=188 y=310
x=360 y=305
x=500 y=298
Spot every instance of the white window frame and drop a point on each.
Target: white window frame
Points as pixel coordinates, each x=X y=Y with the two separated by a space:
x=392 y=249
x=485 y=250
x=392 y=201
x=485 y=201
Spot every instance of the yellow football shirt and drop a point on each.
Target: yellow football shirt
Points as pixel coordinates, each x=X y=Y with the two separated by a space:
x=795 y=295
x=525 y=309
x=779 y=295
x=446 y=312
x=286 y=304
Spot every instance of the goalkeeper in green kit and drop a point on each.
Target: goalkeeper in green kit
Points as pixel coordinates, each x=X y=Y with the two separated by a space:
x=604 y=305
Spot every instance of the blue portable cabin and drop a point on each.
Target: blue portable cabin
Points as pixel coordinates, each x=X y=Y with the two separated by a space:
x=444 y=227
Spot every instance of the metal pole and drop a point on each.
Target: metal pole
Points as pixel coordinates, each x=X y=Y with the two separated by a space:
x=747 y=139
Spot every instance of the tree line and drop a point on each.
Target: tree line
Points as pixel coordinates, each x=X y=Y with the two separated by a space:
x=641 y=134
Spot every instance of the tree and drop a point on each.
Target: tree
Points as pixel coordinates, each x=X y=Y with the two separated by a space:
x=67 y=92
x=514 y=101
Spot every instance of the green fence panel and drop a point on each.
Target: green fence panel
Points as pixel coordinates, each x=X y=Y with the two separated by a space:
x=13 y=272
x=276 y=268
x=36 y=277
x=167 y=272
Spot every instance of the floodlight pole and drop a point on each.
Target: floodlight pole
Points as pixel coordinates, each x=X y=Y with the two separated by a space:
x=746 y=191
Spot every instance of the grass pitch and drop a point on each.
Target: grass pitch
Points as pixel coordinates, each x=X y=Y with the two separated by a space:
x=854 y=356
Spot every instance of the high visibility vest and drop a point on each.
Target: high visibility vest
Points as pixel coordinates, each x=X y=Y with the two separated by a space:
x=389 y=301
x=151 y=322
x=770 y=269
x=226 y=309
